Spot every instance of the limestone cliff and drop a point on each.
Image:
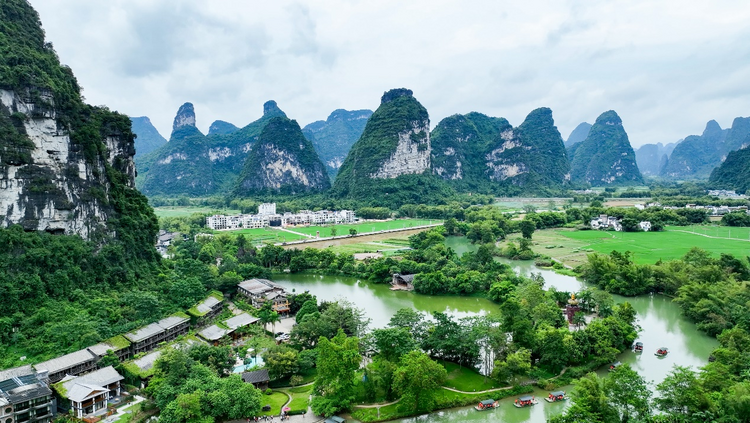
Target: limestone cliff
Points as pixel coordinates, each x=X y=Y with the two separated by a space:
x=283 y=161
x=65 y=167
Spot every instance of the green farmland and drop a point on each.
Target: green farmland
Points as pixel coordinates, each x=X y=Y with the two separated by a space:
x=184 y=211
x=571 y=247
x=366 y=227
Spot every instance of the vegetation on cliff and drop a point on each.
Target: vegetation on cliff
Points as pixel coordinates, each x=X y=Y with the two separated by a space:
x=334 y=137
x=734 y=172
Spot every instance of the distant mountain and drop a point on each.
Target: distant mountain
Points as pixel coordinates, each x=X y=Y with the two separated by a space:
x=579 y=134
x=605 y=157
x=734 y=172
x=148 y=138
x=651 y=158
x=219 y=127
x=194 y=164
x=459 y=146
x=334 y=137
x=283 y=161
x=697 y=155
x=531 y=157
x=390 y=163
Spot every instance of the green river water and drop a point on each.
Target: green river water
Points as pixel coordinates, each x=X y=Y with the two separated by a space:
x=661 y=322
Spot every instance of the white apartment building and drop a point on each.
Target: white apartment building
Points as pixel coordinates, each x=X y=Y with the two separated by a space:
x=267 y=213
x=267 y=209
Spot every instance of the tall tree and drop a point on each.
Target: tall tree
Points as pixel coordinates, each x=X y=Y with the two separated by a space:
x=417 y=379
x=338 y=359
x=628 y=393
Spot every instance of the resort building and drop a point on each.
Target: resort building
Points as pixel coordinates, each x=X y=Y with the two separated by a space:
x=214 y=333
x=208 y=308
x=258 y=378
x=75 y=363
x=402 y=282
x=25 y=397
x=149 y=337
x=261 y=290
x=266 y=209
x=88 y=394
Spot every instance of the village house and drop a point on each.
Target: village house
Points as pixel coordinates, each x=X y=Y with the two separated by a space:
x=258 y=378
x=645 y=226
x=214 y=333
x=261 y=290
x=402 y=282
x=606 y=222
x=267 y=216
x=25 y=397
x=149 y=337
x=88 y=394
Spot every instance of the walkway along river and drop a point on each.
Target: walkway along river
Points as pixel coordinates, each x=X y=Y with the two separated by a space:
x=660 y=319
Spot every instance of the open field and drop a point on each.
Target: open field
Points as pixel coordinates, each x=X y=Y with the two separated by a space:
x=571 y=246
x=364 y=227
x=183 y=211
x=518 y=203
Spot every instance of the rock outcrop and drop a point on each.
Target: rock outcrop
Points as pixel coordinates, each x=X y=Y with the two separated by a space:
x=605 y=157
x=147 y=138
x=579 y=134
x=531 y=157
x=194 y=164
x=697 y=155
x=395 y=143
x=283 y=161
x=65 y=167
x=651 y=158
x=334 y=137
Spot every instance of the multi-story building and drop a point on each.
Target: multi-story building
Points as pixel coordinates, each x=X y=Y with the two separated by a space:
x=149 y=337
x=207 y=309
x=267 y=216
x=72 y=364
x=88 y=394
x=214 y=333
x=261 y=290
x=266 y=209
x=25 y=397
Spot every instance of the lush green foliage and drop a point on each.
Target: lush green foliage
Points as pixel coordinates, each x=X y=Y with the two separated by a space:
x=605 y=157
x=734 y=172
x=338 y=359
x=334 y=137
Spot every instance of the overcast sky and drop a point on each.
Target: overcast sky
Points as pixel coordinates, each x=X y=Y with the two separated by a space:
x=666 y=67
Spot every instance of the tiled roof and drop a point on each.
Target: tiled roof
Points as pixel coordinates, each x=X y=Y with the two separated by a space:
x=258 y=376
x=240 y=320
x=65 y=362
x=213 y=333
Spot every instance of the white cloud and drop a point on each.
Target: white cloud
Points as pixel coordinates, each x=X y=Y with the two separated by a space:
x=666 y=67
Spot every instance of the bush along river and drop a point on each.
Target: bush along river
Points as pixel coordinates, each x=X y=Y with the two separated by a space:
x=661 y=322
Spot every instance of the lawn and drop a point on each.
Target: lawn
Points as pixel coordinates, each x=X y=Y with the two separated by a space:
x=365 y=227
x=465 y=379
x=300 y=396
x=276 y=400
x=183 y=211
x=647 y=247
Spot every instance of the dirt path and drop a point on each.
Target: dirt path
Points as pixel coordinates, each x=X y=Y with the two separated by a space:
x=358 y=239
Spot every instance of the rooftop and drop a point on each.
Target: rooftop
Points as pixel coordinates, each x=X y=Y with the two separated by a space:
x=207 y=305
x=77 y=388
x=16 y=372
x=66 y=361
x=23 y=388
x=155 y=328
x=213 y=333
x=240 y=320
x=258 y=376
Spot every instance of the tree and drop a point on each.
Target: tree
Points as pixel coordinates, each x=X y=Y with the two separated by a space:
x=392 y=343
x=352 y=231
x=338 y=359
x=333 y=231
x=267 y=314
x=450 y=226
x=295 y=380
x=515 y=365
x=310 y=306
x=628 y=393
x=681 y=393
x=416 y=380
x=590 y=400
x=527 y=227
x=281 y=361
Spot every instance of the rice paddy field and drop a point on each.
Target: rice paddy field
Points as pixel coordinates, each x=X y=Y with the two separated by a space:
x=184 y=211
x=571 y=246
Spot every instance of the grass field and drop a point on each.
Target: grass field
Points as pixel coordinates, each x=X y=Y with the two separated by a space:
x=182 y=211
x=300 y=396
x=365 y=227
x=276 y=400
x=465 y=379
x=571 y=247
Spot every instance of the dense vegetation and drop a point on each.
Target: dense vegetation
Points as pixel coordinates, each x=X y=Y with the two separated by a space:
x=334 y=137
x=578 y=134
x=605 y=157
x=148 y=138
x=734 y=172
x=282 y=161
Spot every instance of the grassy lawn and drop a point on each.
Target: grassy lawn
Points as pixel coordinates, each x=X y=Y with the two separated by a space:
x=367 y=227
x=182 y=211
x=465 y=379
x=300 y=396
x=647 y=247
x=276 y=400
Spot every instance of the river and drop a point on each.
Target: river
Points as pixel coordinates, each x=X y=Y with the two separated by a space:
x=661 y=321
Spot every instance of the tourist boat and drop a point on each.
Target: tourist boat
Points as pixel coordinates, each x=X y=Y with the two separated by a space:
x=556 y=396
x=487 y=404
x=614 y=365
x=638 y=347
x=525 y=401
x=661 y=352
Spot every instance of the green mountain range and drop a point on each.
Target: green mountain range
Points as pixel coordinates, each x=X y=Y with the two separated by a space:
x=220 y=127
x=334 y=137
x=195 y=164
x=147 y=138
x=282 y=161
x=734 y=172
x=579 y=134
x=605 y=157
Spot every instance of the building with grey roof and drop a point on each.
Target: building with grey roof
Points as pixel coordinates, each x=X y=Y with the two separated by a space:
x=73 y=364
x=214 y=333
x=25 y=397
x=261 y=290
x=88 y=394
x=149 y=337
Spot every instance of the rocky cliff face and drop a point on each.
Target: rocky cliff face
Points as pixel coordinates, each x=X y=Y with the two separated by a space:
x=459 y=145
x=283 y=161
x=334 y=137
x=697 y=155
x=531 y=156
x=147 y=138
x=605 y=157
x=195 y=164
x=395 y=143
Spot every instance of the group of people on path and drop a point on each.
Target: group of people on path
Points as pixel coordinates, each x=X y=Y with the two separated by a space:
x=282 y=417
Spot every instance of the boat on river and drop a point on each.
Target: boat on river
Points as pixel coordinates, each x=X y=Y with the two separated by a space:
x=487 y=404
x=638 y=348
x=525 y=401
x=614 y=365
x=661 y=352
x=556 y=396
